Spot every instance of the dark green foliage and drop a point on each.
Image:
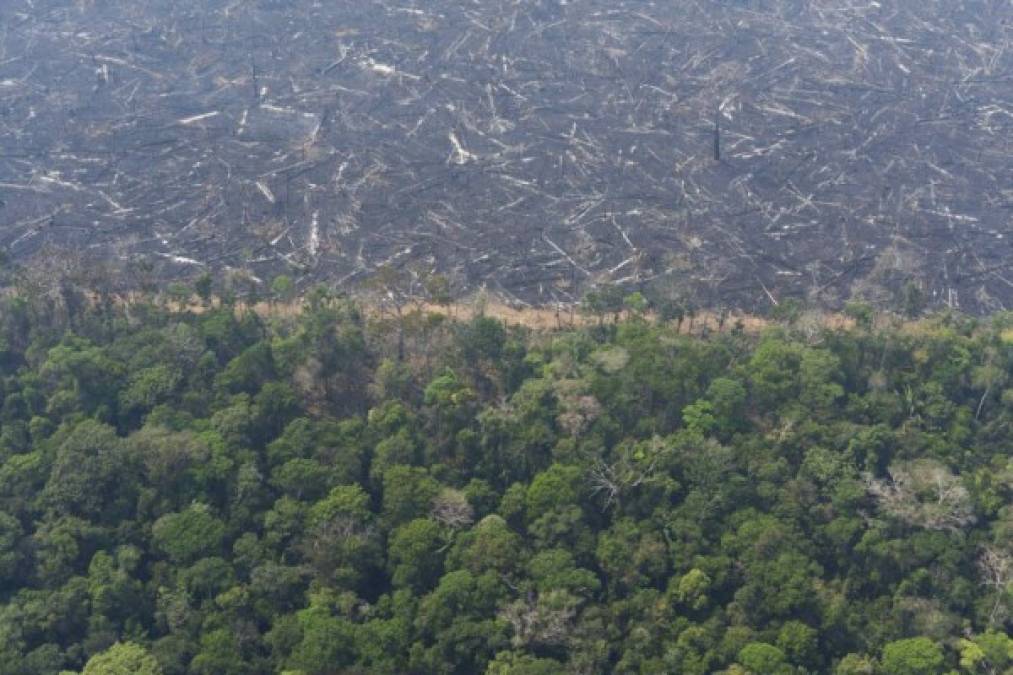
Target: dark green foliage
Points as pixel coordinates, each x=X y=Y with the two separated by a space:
x=215 y=492
x=188 y=535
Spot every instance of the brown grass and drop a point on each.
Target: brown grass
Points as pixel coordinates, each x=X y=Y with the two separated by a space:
x=543 y=318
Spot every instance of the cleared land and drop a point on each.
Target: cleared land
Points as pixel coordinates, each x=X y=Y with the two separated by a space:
x=736 y=152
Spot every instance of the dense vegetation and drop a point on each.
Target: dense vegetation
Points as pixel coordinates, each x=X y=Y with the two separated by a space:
x=331 y=491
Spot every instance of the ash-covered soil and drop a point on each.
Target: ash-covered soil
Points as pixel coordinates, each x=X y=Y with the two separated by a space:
x=734 y=151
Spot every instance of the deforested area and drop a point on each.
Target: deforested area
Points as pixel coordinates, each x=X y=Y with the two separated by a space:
x=736 y=153
x=333 y=491
x=506 y=337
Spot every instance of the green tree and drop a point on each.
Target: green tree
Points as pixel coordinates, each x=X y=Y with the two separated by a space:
x=248 y=371
x=762 y=658
x=990 y=652
x=149 y=387
x=408 y=493
x=727 y=397
x=203 y=287
x=800 y=643
x=218 y=653
x=123 y=658
x=90 y=474
x=773 y=369
x=190 y=534
x=11 y=533
x=862 y=313
x=556 y=569
x=699 y=417
x=911 y=656
x=415 y=554
x=283 y=288
x=691 y=589
x=341 y=542
x=911 y=299
x=490 y=545
x=327 y=641
x=856 y=664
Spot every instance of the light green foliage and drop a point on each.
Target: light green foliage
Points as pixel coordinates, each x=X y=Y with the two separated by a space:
x=699 y=417
x=990 y=652
x=862 y=313
x=149 y=387
x=635 y=302
x=123 y=658
x=691 y=589
x=856 y=664
x=348 y=501
x=448 y=395
x=913 y=656
x=283 y=288
x=762 y=658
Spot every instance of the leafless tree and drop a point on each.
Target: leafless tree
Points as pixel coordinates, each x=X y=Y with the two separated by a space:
x=996 y=568
x=545 y=620
x=578 y=413
x=451 y=508
x=628 y=471
x=987 y=377
x=923 y=493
